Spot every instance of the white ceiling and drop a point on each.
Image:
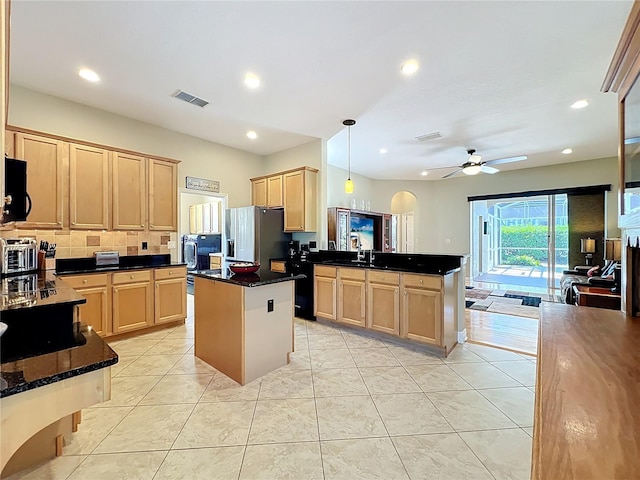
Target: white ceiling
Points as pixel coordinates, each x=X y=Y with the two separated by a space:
x=495 y=76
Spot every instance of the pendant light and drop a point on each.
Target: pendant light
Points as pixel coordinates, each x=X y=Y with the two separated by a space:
x=348 y=185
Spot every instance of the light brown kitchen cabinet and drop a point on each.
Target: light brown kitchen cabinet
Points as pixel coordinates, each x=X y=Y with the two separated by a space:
x=89 y=187
x=259 y=192
x=132 y=296
x=129 y=199
x=299 y=188
x=47 y=164
x=9 y=144
x=324 y=287
x=170 y=294
x=274 y=191
x=421 y=315
x=97 y=311
x=352 y=293
x=163 y=195
x=383 y=302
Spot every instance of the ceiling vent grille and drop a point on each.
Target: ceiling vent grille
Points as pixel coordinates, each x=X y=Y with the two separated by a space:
x=429 y=136
x=184 y=96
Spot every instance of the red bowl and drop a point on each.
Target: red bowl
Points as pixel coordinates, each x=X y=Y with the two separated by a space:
x=244 y=268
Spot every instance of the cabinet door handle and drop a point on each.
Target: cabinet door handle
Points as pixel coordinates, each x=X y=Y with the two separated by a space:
x=84 y=281
x=131 y=276
x=420 y=281
x=170 y=272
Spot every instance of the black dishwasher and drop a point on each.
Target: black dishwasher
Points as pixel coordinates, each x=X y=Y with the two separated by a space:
x=298 y=264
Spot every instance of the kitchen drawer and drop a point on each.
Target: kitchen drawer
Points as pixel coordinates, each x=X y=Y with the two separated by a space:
x=432 y=282
x=353 y=273
x=133 y=276
x=87 y=281
x=170 y=272
x=324 y=271
x=278 y=266
x=389 y=278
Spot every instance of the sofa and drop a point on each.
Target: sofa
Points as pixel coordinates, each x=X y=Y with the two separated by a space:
x=587 y=276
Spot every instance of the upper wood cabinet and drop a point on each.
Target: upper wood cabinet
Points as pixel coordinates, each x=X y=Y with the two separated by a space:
x=9 y=144
x=259 y=192
x=300 y=200
x=88 y=187
x=129 y=204
x=163 y=195
x=274 y=191
x=47 y=164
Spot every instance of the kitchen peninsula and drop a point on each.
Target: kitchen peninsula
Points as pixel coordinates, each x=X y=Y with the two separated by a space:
x=244 y=323
x=418 y=297
x=52 y=367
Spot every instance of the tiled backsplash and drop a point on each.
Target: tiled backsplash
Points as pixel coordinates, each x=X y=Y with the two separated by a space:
x=83 y=243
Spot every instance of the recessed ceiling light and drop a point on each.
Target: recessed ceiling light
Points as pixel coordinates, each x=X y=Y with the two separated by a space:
x=89 y=75
x=383 y=151
x=580 y=104
x=252 y=135
x=424 y=173
x=409 y=67
x=567 y=151
x=251 y=80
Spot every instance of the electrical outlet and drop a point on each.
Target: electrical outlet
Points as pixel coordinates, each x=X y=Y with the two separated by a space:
x=270 y=305
x=447 y=241
x=144 y=245
x=171 y=245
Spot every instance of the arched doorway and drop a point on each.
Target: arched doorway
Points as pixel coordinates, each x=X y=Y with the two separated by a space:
x=404 y=210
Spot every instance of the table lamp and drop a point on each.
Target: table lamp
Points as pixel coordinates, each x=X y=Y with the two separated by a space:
x=588 y=247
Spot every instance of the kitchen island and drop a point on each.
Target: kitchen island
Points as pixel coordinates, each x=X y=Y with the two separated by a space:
x=244 y=323
x=52 y=367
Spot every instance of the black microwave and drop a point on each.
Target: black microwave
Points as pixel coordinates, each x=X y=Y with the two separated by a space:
x=17 y=202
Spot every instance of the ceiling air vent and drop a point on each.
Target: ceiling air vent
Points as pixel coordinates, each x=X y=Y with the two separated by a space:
x=429 y=136
x=180 y=95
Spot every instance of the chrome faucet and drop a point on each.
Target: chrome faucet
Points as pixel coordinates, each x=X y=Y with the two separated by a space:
x=371 y=256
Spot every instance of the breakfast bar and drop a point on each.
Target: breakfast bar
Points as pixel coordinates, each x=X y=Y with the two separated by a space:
x=244 y=323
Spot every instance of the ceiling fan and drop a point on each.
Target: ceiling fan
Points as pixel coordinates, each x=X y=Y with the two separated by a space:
x=475 y=165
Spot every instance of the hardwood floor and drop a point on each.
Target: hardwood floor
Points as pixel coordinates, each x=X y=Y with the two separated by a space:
x=516 y=334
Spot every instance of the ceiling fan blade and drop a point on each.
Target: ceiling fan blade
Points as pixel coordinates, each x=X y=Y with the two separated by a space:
x=452 y=173
x=498 y=161
x=487 y=169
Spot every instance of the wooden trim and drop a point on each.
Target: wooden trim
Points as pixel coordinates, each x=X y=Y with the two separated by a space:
x=53 y=136
x=309 y=169
x=587 y=190
x=76 y=419
x=619 y=67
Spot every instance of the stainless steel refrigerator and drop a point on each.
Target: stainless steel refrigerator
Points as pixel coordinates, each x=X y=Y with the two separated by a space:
x=255 y=234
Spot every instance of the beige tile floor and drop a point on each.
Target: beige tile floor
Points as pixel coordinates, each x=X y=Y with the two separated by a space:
x=349 y=406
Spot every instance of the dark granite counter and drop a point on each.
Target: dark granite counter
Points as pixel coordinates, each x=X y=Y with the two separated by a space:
x=402 y=262
x=86 y=353
x=35 y=290
x=68 y=266
x=264 y=276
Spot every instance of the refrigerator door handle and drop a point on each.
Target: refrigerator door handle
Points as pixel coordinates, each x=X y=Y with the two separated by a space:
x=231 y=248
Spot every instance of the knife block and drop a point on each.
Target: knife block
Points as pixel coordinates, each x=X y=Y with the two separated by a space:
x=45 y=263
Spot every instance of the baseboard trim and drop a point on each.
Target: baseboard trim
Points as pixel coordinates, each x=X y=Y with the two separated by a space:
x=462 y=336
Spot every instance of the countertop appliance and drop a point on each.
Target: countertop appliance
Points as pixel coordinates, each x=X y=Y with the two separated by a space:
x=255 y=234
x=17 y=204
x=107 y=258
x=19 y=255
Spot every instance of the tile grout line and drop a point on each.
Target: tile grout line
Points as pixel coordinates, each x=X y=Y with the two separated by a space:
x=315 y=403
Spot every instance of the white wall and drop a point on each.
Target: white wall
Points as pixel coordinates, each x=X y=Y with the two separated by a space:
x=444 y=212
x=363 y=189
x=200 y=158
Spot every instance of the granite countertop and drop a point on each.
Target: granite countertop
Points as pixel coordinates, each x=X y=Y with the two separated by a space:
x=33 y=290
x=263 y=276
x=88 y=353
x=427 y=270
x=68 y=266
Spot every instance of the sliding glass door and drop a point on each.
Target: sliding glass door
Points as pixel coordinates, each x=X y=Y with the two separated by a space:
x=520 y=242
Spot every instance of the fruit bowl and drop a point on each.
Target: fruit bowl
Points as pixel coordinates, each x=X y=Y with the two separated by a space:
x=244 y=267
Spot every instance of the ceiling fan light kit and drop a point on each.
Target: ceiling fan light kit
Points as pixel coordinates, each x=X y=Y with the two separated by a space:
x=475 y=165
x=348 y=185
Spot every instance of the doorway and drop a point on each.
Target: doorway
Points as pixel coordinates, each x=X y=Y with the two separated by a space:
x=520 y=242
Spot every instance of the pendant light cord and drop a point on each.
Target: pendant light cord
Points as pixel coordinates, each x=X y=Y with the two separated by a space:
x=349 y=131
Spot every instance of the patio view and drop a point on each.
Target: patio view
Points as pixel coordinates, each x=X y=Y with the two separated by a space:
x=521 y=241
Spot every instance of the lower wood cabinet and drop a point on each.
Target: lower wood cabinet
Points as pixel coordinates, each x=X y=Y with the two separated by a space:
x=97 y=311
x=170 y=294
x=407 y=305
x=383 y=306
x=324 y=286
x=352 y=294
x=131 y=300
